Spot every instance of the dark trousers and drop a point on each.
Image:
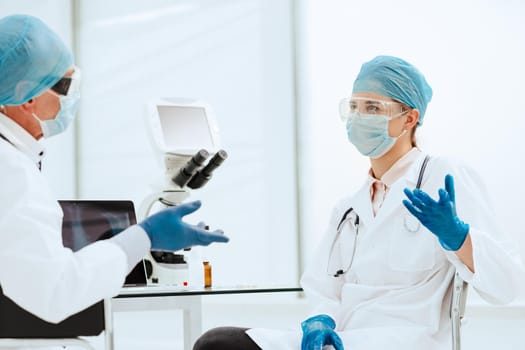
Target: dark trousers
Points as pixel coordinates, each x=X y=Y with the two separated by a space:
x=225 y=338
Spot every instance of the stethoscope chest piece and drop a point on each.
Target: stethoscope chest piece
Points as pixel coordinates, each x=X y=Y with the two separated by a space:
x=411 y=223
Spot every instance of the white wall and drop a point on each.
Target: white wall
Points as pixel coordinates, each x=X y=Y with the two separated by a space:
x=58 y=165
x=472 y=54
x=236 y=55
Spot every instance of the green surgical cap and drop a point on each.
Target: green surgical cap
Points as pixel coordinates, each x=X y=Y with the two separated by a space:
x=32 y=59
x=395 y=78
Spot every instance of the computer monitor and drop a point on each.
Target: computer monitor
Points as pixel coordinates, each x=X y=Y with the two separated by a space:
x=182 y=126
x=87 y=221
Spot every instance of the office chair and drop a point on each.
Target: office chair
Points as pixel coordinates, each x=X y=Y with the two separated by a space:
x=21 y=329
x=457 y=309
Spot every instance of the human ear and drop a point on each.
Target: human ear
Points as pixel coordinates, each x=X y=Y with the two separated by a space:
x=412 y=119
x=29 y=106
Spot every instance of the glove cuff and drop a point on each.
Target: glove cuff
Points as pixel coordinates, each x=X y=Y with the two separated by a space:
x=455 y=246
x=324 y=319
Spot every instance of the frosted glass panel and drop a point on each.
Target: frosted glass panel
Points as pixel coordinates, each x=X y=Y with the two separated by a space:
x=234 y=55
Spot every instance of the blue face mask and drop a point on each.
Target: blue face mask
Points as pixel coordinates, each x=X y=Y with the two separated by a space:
x=64 y=117
x=369 y=134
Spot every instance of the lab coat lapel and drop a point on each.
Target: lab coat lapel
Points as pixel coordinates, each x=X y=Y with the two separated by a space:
x=362 y=204
x=395 y=196
x=393 y=200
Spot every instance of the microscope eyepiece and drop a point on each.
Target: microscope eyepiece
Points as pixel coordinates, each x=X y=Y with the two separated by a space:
x=204 y=175
x=200 y=157
x=185 y=174
x=214 y=162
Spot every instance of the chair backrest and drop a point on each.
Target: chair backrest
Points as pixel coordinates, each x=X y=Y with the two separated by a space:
x=457 y=308
x=16 y=322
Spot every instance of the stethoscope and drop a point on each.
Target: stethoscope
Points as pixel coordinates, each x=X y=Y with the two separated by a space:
x=6 y=139
x=410 y=223
x=347 y=218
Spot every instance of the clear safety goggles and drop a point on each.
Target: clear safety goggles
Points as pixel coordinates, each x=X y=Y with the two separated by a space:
x=350 y=107
x=68 y=86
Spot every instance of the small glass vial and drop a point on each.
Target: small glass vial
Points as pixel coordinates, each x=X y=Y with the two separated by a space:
x=207 y=274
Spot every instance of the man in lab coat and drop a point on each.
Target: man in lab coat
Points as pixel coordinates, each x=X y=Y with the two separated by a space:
x=39 y=93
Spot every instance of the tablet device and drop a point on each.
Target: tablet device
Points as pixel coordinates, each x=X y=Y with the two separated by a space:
x=87 y=221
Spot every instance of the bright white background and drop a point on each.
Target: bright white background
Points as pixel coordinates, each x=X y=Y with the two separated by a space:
x=239 y=56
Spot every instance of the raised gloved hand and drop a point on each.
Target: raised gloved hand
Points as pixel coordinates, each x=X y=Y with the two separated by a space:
x=168 y=232
x=439 y=216
x=319 y=331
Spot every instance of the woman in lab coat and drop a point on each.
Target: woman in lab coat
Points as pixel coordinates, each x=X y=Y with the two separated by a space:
x=388 y=287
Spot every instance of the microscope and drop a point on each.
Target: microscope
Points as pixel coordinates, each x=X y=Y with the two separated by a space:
x=185 y=133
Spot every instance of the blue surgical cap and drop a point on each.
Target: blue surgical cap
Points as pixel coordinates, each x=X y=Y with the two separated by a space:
x=32 y=59
x=397 y=79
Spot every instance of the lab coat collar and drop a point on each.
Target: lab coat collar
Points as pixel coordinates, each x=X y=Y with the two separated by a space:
x=412 y=174
x=399 y=168
x=395 y=196
x=362 y=203
x=21 y=139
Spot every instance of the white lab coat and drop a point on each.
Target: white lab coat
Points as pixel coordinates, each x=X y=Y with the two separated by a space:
x=36 y=271
x=397 y=295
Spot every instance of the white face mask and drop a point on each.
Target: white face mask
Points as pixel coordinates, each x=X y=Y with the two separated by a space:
x=369 y=134
x=64 y=117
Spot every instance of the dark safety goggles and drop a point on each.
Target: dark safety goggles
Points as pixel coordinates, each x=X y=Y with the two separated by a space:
x=67 y=85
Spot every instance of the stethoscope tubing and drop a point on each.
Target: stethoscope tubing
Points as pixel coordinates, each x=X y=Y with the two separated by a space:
x=346 y=218
x=343 y=221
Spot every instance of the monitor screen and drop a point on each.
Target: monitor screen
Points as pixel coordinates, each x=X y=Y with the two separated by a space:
x=87 y=221
x=185 y=127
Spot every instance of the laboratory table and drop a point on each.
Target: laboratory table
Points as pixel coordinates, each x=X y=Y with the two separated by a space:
x=187 y=299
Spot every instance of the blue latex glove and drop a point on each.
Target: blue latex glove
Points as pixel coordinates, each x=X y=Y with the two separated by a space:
x=168 y=232
x=319 y=331
x=439 y=216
